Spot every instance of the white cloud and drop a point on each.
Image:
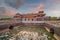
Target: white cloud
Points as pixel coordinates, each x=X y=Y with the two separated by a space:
x=53 y=13
x=6 y=13
x=52 y=8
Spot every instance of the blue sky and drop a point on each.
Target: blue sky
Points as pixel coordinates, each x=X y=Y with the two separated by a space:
x=51 y=7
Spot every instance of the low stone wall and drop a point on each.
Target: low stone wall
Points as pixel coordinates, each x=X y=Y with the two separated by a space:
x=56 y=30
x=33 y=24
x=55 y=35
x=5 y=26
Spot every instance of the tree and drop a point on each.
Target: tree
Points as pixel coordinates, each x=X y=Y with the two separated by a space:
x=53 y=18
x=58 y=18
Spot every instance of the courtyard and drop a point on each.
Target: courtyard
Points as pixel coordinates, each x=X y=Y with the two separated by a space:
x=23 y=32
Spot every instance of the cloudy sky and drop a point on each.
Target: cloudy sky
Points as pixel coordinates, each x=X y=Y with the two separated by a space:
x=50 y=7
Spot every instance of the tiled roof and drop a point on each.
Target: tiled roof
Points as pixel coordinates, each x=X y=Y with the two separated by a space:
x=40 y=14
x=29 y=16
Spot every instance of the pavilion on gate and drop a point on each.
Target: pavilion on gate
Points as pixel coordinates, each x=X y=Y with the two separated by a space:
x=32 y=17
